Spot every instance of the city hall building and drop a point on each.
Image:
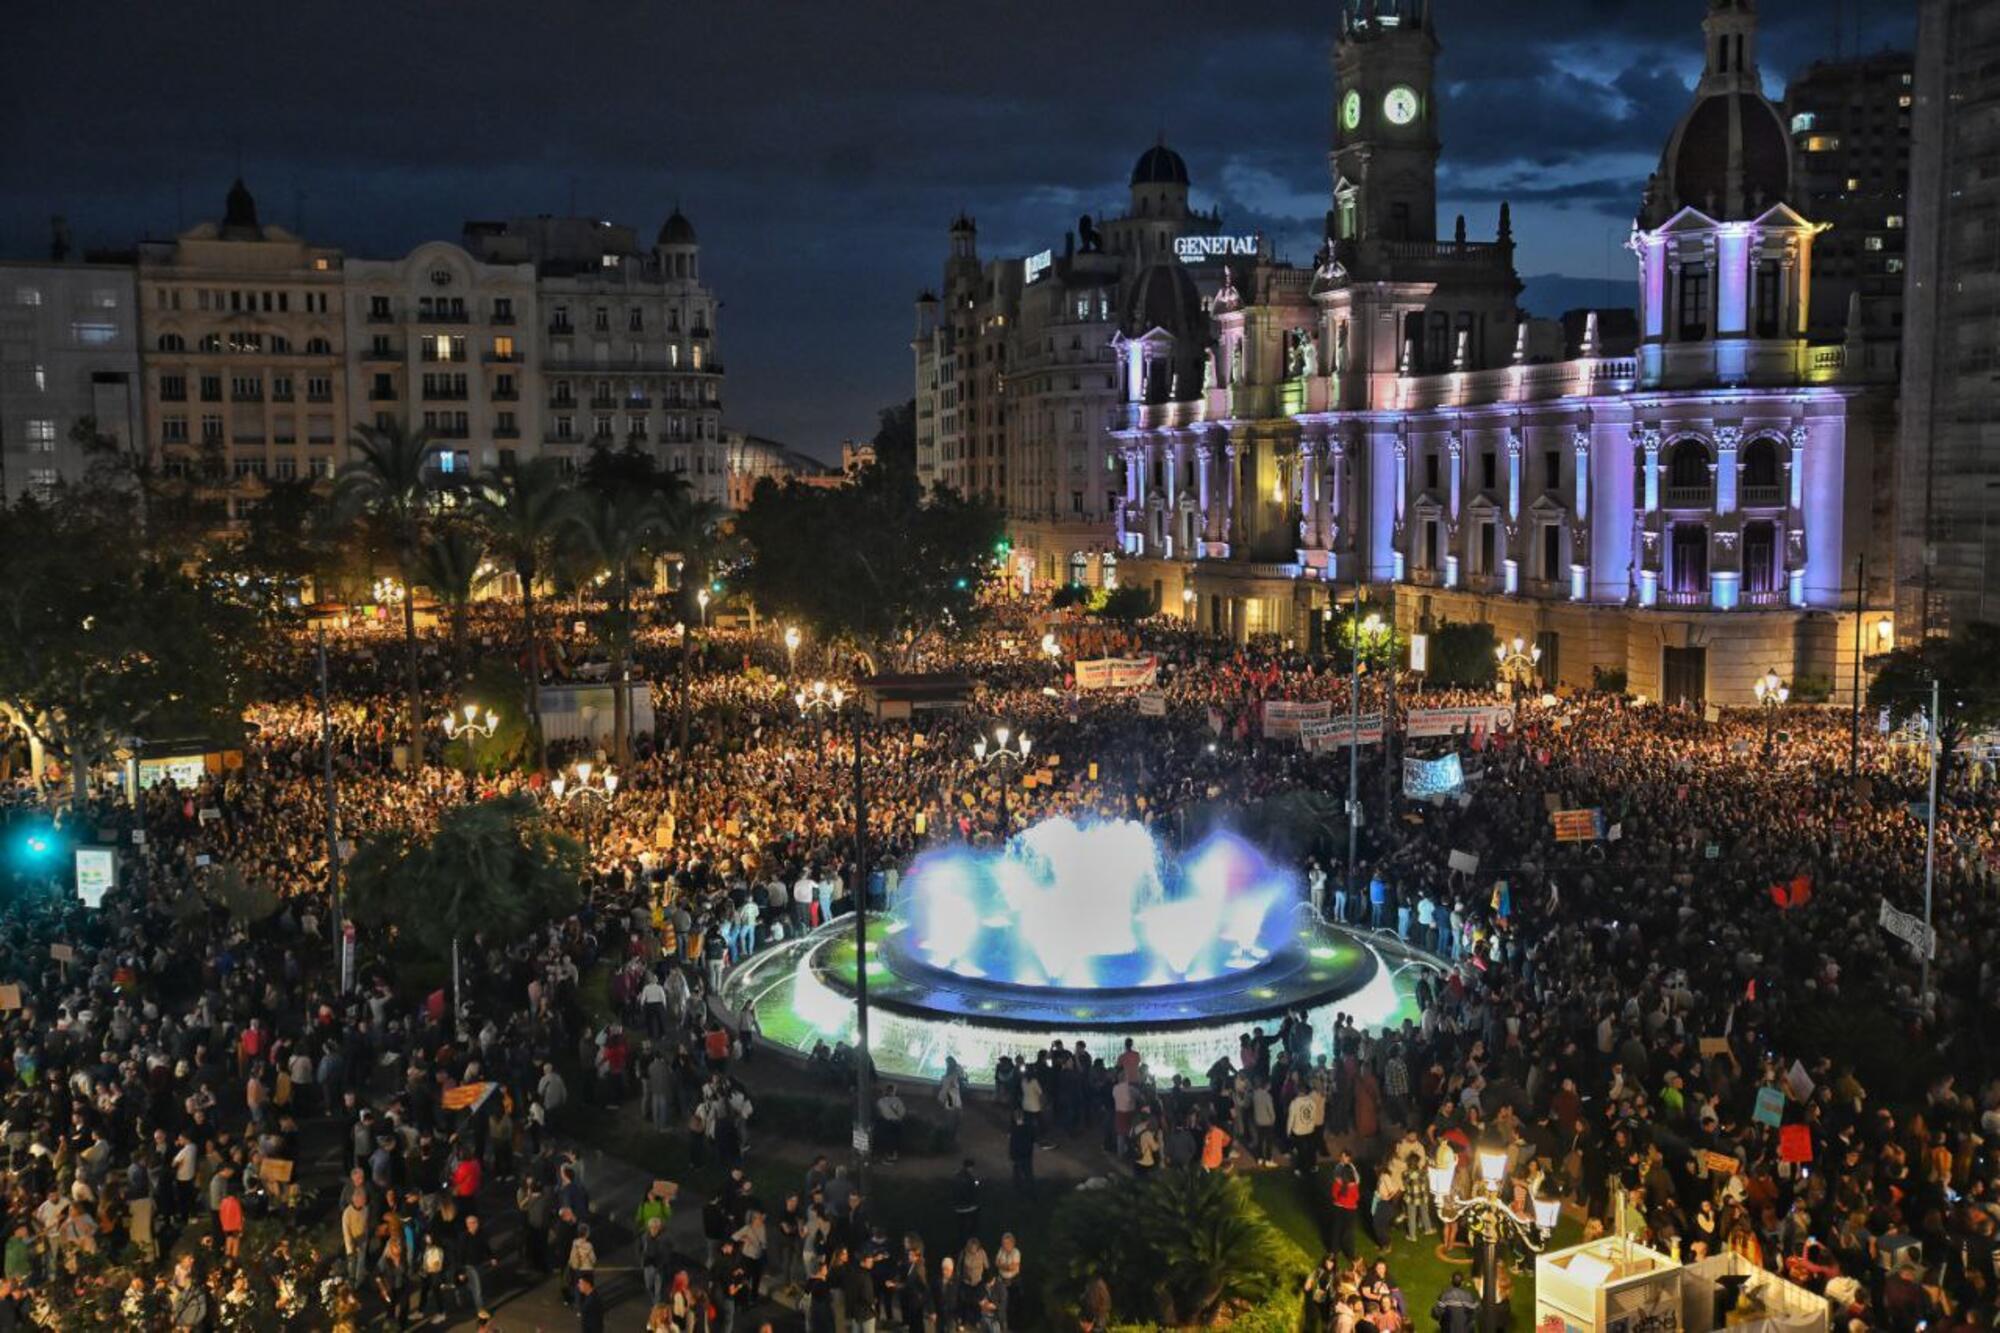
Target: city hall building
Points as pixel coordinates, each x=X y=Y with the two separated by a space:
x=1689 y=502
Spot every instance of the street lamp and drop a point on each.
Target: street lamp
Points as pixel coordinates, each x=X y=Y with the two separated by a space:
x=1488 y=1222
x=791 y=649
x=1187 y=603
x=701 y=600
x=388 y=592
x=471 y=728
x=1771 y=694
x=998 y=755
x=1518 y=661
x=821 y=699
x=582 y=789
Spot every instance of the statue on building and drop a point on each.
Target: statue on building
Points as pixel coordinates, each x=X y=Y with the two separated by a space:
x=1308 y=354
x=1087 y=238
x=1208 y=370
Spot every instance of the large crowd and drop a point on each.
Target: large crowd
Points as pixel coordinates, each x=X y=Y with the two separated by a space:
x=203 y=1129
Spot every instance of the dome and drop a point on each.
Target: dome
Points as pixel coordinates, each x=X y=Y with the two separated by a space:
x=1163 y=296
x=1159 y=165
x=1735 y=134
x=677 y=230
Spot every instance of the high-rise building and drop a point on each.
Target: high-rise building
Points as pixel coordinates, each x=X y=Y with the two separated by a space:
x=440 y=341
x=243 y=330
x=1850 y=125
x=69 y=352
x=1385 y=423
x=627 y=340
x=961 y=358
x=1948 y=484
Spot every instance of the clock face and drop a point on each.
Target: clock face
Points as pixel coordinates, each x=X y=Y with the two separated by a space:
x=1400 y=106
x=1350 y=110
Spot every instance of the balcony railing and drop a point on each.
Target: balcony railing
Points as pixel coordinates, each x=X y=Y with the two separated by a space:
x=1690 y=497
x=506 y=432
x=443 y=316
x=381 y=395
x=383 y=354
x=561 y=327
x=320 y=397
x=503 y=317
x=506 y=395
x=443 y=432
x=381 y=316
x=1763 y=497
x=437 y=395
x=603 y=403
x=562 y=404
x=1680 y=597
x=502 y=358
x=1769 y=599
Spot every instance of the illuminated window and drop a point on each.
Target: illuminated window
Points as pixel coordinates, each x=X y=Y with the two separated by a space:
x=1872 y=243
x=1803 y=122
x=1822 y=143
x=1853 y=182
x=27 y=296
x=41 y=437
x=1893 y=265
x=1903 y=101
x=1893 y=222
x=503 y=349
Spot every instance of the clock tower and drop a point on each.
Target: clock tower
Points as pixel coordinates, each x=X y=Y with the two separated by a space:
x=1385 y=140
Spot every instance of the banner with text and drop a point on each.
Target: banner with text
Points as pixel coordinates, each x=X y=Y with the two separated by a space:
x=1909 y=928
x=1337 y=733
x=1118 y=673
x=1427 y=722
x=1424 y=778
x=1577 y=825
x=1283 y=717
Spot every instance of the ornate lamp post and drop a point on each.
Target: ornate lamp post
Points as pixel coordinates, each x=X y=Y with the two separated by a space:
x=471 y=728
x=580 y=788
x=998 y=755
x=1488 y=1222
x=1518 y=661
x=701 y=600
x=1771 y=695
x=791 y=650
x=821 y=699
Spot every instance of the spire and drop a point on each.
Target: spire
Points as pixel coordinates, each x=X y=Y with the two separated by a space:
x=1730 y=33
x=239 y=213
x=1506 y=223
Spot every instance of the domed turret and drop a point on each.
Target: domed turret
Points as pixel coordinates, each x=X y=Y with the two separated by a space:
x=677 y=230
x=1730 y=155
x=239 y=214
x=1159 y=165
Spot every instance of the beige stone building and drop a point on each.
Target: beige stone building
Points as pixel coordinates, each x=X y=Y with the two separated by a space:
x=243 y=336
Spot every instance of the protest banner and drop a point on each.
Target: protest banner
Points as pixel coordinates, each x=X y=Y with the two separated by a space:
x=1283 y=717
x=1422 y=723
x=1152 y=703
x=1578 y=825
x=1720 y=1164
x=1118 y=673
x=1336 y=733
x=1909 y=928
x=1424 y=778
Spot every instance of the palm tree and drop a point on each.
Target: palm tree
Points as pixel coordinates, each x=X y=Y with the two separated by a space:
x=524 y=509
x=693 y=528
x=620 y=532
x=493 y=867
x=389 y=485
x=449 y=563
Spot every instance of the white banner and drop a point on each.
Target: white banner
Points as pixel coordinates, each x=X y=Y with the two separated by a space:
x=1152 y=703
x=1336 y=733
x=1909 y=928
x=1282 y=717
x=1118 y=673
x=1426 y=722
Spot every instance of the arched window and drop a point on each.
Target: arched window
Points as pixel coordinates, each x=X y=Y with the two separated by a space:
x=1079 y=568
x=172 y=342
x=280 y=343
x=211 y=342
x=1763 y=483
x=318 y=347
x=1688 y=476
x=1108 y=569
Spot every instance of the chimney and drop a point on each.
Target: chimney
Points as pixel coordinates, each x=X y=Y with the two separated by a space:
x=59 y=238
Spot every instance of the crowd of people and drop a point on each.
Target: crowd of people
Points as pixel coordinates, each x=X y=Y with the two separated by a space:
x=1689 y=1027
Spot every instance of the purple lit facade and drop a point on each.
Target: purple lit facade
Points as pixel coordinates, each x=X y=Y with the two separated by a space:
x=1684 y=500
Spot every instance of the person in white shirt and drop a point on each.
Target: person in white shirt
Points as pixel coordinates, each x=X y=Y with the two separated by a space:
x=889 y=1113
x=803 y=893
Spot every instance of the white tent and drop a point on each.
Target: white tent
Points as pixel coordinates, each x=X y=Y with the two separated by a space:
x=1768 y=1303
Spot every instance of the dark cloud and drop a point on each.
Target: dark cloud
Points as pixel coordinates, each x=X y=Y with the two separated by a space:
x=819 y=147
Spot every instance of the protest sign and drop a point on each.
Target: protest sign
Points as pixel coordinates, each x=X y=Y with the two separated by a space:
x=1770 y=1107
x=1422 y=723
x=1578 y=825
x=1424 y=778
x=1283 y=717
x=1465 y=863
x=1909 y=928
x=1117 y=673
x=1337 y=733
x=1152 y=703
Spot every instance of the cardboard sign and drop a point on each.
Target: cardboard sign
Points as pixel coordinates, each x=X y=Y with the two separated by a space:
x=209 y=814
x=275 y=1170
x=1713 y=1046
x=1795 y=1143
x=62 y=953
x=1152 y=703
x=10 y=998
x=1577 y=825
x=1770 y=1107
x=1463 y=862
x=1093 y=770
x=138 y=837
x=1720 y=1164
x=1798 y=1082
x=923 y=822
x=1907 y=927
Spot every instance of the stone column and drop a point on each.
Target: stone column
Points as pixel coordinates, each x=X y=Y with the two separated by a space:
x=1727 y=438
x=1204 y=469
x=1311 y=535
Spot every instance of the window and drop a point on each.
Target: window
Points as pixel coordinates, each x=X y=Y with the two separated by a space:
x=93 y=333
x=281 y=388
x=565 y=428
x=636 y=320
x=319 y=388
x=320 y=467
x=321 y=347
x=1853 y=183
x=1552 y=469
x=173 y=388
x=171 y=342
x=600 y=319
x=1694 y=302
x=1767 y=298
x=246 y=388
x=1489 y=470
x=1551 y=552
x=601 y=426
x=280 y=344
x=1892 y=265
x=27 y=296
x=1822 y=143
x=41 y=479
x=174 y=430
x=378 y=307
x=1802 y=122
x=503 y=310
x=211 y=342
x=211 y=427
x=1893 y=222
x=503 y=349
x=284 y=469
x=1430 y=472
x=41 y=436
x=211 y=388
x=1871 y=243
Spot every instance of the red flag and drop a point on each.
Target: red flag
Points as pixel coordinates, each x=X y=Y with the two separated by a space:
x=1780 y=897
x=1801 y=890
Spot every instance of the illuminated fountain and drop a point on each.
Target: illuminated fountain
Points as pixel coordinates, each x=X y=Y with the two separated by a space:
x=1077 y=932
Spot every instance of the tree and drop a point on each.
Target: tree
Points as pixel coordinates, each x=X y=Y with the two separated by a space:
x=869 y=564
x=1373 y=635
x=896 y=438
x=1966 y=667
x=525 y=508
x=1461 y=656
x=493 y=867
x=389 y=486
x=693 y=534
x=1183 y=1248
x=286 y=540
x=621 y=532
x=451 y=563
x=1127 y=604
x=100 y=641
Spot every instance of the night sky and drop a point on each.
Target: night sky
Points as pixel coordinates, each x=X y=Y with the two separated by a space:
x=821 y=148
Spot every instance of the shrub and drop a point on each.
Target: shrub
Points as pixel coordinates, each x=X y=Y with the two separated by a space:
x=1461 y=656
x=1608 y=680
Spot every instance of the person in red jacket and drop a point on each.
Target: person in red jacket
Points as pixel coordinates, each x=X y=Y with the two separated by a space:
x=467 y=1176
x=1346 y=1191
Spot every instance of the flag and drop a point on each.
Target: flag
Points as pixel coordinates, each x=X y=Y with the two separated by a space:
x=467 y=1096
